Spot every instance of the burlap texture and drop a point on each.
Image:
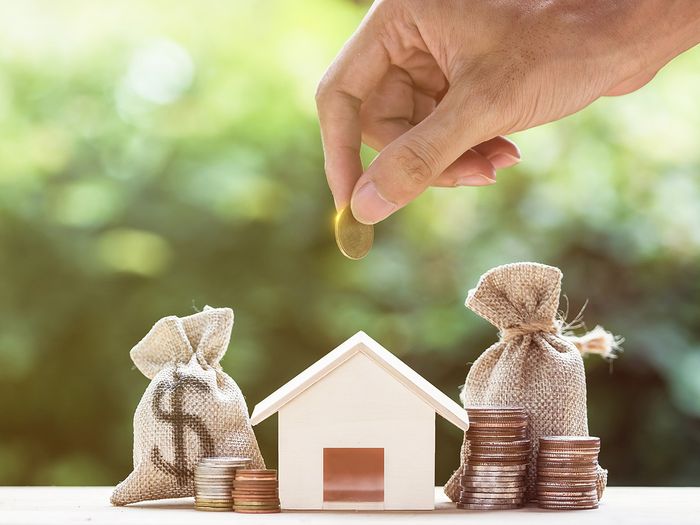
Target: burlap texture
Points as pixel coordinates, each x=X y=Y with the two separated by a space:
x=532 y=365
x=190 y=410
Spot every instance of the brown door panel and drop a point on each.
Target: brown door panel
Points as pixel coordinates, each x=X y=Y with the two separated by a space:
x=353 y=474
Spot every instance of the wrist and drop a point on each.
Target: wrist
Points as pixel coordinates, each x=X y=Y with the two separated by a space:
x=626 y=37
x=659 y=30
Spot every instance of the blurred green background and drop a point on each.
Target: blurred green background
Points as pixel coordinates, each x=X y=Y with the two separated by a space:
x=159 y=156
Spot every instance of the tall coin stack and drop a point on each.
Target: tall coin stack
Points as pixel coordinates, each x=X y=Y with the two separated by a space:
x=256 y=492
x=567 y=472
x=213 y=479
x=496 y=459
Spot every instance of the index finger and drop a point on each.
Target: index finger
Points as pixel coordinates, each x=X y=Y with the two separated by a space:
x=351 y=77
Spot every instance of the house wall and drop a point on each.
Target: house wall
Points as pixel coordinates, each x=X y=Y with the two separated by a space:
x=358 y=404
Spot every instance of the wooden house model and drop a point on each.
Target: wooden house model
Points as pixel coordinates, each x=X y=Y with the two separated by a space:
x=357 y=431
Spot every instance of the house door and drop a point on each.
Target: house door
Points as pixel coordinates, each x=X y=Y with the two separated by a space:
x=353 y=474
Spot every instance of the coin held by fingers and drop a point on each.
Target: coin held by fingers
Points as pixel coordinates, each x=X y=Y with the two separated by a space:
x=354 y=239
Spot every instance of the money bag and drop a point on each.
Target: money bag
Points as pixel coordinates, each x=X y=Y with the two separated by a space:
x=535 y=364
x=191 y=409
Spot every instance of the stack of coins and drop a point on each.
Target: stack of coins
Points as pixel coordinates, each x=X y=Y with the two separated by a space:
x=497 y=457
x=256 y=492
x=567 y=472
x=213 y=479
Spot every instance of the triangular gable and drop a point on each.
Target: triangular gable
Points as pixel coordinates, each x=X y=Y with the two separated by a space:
x=361 y=342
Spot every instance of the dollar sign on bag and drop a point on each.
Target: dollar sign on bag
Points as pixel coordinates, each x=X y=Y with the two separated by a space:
x=180 y=420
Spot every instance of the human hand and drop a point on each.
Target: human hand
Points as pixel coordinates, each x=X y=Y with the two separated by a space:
x=434 y=84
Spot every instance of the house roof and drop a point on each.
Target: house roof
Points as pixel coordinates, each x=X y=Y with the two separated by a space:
x=362 y=343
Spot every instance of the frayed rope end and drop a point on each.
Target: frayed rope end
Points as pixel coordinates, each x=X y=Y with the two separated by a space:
x=598 y=341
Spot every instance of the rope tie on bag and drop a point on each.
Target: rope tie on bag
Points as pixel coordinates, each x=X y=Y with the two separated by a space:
x=514 y=332
x=597 y=341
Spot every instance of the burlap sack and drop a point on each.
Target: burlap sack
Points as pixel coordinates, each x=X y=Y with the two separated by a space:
x=533 y=365
x=191 y=409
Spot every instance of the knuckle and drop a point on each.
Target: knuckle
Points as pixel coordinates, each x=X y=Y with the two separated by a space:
x=322 y=90
x=418 y=160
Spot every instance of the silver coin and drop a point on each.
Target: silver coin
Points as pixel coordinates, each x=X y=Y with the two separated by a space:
x=494 y=486
x=227 y=460
x=214 y=472
x=566 y=457
x=567 y=493
x=571 y=501
x=214 y=481
x=574 y=451
x=555 y=501
x=563 y=469
x=482 y=482
x=553 y=506
x=494 y=468
x=492 y=501
x=498 y=456
x=566 y=483
x=583 y=473
x=474 y=506
x=485 y=494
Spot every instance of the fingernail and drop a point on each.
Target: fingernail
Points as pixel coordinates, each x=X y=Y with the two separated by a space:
x=476 y=179
x=504 y=160
x=369 y=207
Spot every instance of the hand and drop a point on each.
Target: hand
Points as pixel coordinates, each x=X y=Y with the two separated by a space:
x=434 y=84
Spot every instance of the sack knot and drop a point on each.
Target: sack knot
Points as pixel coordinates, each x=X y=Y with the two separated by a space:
x=528 y=328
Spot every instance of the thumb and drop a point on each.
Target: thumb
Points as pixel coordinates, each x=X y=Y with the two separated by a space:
x=409 y=165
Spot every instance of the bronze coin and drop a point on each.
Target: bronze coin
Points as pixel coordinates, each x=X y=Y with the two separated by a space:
x=493 y=438
x=258 y=471
x=514 y=455
x=482 y=434
x=500 y=460
x=471 y=468
x=254 y=483
x=255 y=491
x=521 y=444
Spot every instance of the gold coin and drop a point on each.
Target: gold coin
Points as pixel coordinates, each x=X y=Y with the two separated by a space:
x=354 y=239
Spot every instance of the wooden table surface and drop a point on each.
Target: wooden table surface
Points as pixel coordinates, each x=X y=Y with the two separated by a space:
x=90 y=505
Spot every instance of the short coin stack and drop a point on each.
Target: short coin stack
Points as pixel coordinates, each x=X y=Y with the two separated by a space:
x=256 y=492
x=213 y=479
x=567 y=472
x=497 y=456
